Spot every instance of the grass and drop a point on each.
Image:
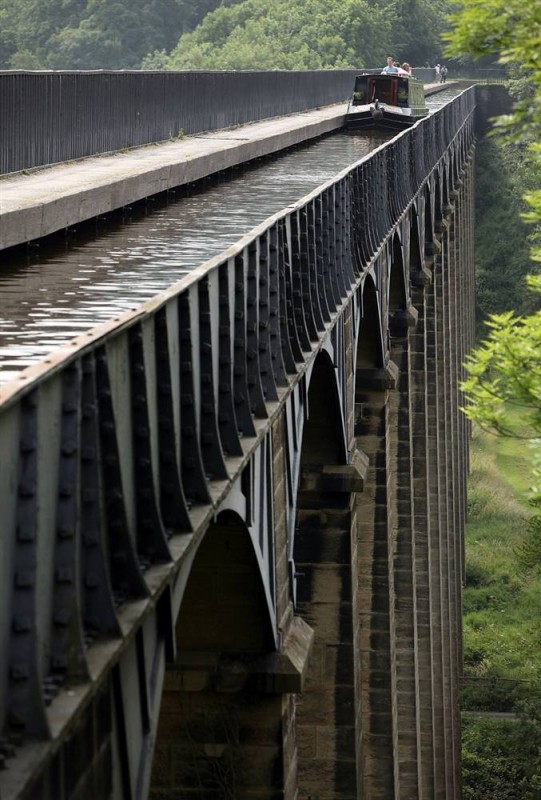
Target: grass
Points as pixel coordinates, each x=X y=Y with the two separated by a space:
x=501 y=760
x=502 y=603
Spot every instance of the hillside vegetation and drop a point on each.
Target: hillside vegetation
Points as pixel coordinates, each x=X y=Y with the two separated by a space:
x=92 y=34
x=311 y=34
x=218 y=34
x=502 y=237
x=502 y=635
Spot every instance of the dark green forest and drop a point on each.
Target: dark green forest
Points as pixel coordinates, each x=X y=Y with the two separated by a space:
x=218 y=34
x=92 y=34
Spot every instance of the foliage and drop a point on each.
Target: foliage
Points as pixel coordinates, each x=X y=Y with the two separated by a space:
x=501 y=760
x=501 y=237
x=510 y=29
x=312 y=34
x=192 y=12
x=217 y=34
x=92 y=34
x=416 y=29
x=503 y=378
x=504 y=372
x=504 y=391
x=529 y=551
x=501 y=602
x=502 y=646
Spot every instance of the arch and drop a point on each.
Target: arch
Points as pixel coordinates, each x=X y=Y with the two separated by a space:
x=429 y=218
x=445 y=190
x=323 y=439
x=416 y=257
x=224 y=608
x=215 y=693
x=397 y=280
x=370 y=349
x=325 y=599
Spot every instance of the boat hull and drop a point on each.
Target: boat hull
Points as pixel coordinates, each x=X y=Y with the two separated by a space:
x=386 y=101
x=383 y=118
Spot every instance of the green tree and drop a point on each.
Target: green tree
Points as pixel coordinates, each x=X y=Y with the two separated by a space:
x=511 y=31
x=504 y=372
x=502 y=760
x=503 y=388
x=416 y=29
x=32 y=23
x=502 y=245
x=8 y=44
x=115 y=35
x=88 y=34
x=192 y=12
x=311 y=34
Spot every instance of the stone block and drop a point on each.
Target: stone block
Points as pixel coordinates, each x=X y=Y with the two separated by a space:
x=161 y=767
x=336 y=743
x=340 y=664
x=285 y=672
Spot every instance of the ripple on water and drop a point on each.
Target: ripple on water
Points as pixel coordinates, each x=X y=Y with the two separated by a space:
x=54 y=293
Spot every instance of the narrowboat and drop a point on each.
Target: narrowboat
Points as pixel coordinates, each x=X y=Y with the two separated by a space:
x=386 y=101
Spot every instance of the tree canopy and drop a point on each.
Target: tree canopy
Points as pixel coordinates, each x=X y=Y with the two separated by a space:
x=92 y=34
x=503 y=386
x=218 y=34
x=312 y=34
x=511 y=31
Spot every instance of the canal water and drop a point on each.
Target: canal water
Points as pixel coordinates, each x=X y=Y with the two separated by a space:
x=66 y=285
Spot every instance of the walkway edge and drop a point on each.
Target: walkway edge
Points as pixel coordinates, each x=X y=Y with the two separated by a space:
x=53 y=198
x=57 y=197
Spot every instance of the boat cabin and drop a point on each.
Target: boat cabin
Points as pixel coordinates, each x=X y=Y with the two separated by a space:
x=384 y=101
x=392 y=90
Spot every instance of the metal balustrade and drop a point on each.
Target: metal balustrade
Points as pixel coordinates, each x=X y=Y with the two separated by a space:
x=50 y=117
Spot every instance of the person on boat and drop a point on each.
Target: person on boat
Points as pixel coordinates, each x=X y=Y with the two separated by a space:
x=390 y=69
x=403 y=71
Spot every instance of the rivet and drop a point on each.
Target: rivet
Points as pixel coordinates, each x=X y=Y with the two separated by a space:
x=24 y=579
x=89 y=495
x=62 y=617
x=64 y=574
x=26 y=532
x=91 y=580
x=91 y=538
x=22 y=623
x=19 y=672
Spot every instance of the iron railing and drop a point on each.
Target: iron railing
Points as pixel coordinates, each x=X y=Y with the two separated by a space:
x=50 y=117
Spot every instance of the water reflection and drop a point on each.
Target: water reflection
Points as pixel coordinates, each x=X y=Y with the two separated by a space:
x=51 y=293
